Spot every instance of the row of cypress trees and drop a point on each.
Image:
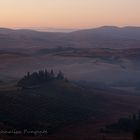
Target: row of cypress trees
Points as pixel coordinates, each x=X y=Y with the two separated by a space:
x=37 y=78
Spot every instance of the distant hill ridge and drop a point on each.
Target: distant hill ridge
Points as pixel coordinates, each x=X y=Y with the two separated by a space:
x=134 y=28
x=106 y=36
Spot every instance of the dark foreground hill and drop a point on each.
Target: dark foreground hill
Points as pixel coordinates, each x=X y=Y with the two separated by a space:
x=64 y=109
x=44 y=106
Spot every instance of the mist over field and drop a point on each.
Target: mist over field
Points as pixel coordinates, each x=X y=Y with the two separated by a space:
x=106 y=56
x=76 y=68
x=71 y=82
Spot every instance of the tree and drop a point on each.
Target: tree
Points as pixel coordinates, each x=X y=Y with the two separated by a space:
x=46 y=73
x=41 y=74
x=134 y=117
x=28 y=75
x=60 y=76
x=52 y=74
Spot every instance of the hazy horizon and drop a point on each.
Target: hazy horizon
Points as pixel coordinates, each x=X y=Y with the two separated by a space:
x=65 y=30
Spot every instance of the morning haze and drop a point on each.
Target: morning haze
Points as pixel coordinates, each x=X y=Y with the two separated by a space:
x=70 y=69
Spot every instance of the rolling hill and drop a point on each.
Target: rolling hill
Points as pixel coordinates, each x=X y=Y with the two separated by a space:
x=106 y=37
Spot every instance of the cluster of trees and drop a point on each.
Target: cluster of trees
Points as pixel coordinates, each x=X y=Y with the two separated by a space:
x=37 y=78
x=136 y=120
x=128 y=124
x=136 y=116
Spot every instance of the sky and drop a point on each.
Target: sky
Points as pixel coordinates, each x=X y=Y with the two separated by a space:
x=69 y=13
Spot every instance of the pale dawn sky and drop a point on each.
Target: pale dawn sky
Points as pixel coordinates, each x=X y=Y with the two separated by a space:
x=69 y=13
